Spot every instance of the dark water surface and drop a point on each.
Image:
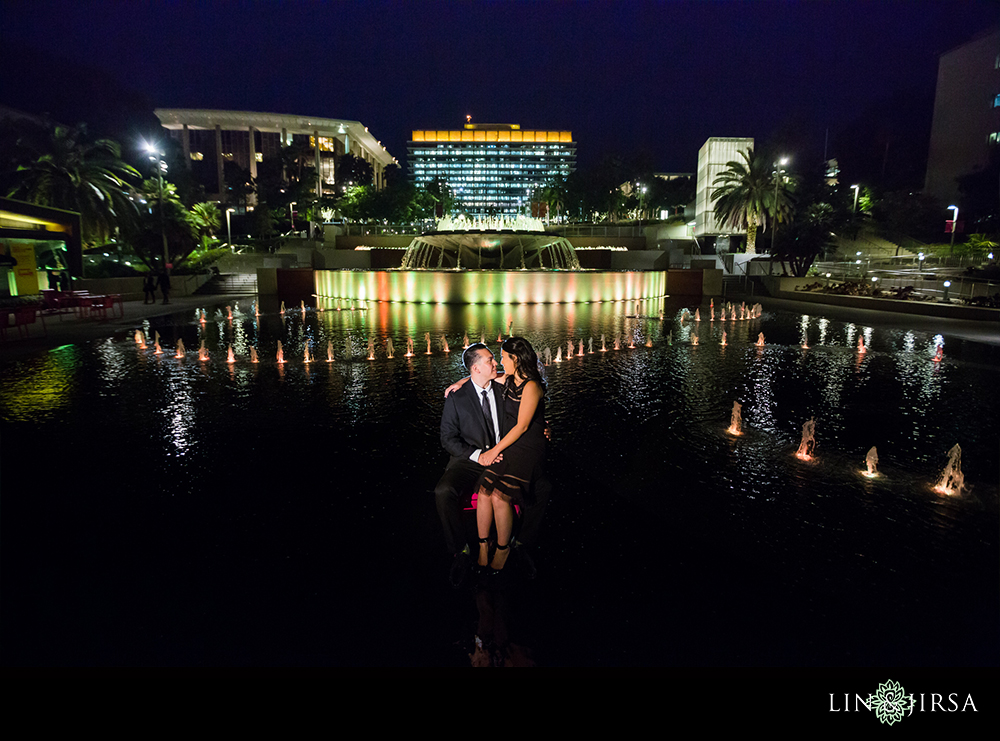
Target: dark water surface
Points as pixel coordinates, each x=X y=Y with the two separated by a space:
x=172 y=512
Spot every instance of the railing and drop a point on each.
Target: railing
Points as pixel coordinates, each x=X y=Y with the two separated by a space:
x=600 y=230
x=379 y=230
x=888 y=279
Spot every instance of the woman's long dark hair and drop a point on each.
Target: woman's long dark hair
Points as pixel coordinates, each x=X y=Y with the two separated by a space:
x=525 y=359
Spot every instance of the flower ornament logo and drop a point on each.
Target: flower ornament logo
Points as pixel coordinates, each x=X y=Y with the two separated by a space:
x=890 y=702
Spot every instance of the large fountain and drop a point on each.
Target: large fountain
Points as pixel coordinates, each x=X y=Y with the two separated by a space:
x=490 y=261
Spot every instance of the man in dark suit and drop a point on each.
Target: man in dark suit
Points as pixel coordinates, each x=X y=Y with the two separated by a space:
x=472 y=423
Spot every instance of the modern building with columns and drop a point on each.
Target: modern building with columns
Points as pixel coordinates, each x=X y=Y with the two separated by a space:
x=246 y=138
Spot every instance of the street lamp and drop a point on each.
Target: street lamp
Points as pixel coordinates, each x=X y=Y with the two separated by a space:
x=947 y=285
x=229 y=229
x=778 y=172
x=156 y=155
x=954 y=225
x=855 y=209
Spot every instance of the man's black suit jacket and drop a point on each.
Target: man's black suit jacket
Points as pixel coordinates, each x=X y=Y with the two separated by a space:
x=463 y=423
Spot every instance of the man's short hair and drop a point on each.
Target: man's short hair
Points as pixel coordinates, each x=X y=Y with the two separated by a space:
x=471 y=355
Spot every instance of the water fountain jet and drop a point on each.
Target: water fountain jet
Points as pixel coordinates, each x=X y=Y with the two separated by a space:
x=871 y=464
x=952 y=479
x=736 y=420
x=808 y=443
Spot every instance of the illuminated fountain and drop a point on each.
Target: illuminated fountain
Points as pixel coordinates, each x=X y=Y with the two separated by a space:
x=952 y=479
x=871 y=464
x=736 y=420
x=180 y=349
x=489 y=261
x=808 y=443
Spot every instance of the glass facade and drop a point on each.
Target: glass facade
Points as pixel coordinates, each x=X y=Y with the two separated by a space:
x=491 y=169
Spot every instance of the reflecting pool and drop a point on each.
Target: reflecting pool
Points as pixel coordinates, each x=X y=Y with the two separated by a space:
x=160 y=510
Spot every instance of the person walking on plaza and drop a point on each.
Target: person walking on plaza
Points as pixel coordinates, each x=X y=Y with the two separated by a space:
x=164 y=285
x=149 y=289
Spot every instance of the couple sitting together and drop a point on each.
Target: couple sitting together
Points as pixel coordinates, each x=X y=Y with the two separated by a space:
x=495 y=433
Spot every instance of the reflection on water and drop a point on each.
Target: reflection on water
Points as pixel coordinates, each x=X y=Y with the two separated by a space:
x=332 y=443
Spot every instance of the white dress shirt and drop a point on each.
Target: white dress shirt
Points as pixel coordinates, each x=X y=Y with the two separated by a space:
x=493 y=412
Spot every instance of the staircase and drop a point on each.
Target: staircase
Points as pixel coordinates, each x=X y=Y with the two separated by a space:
x=229 y=283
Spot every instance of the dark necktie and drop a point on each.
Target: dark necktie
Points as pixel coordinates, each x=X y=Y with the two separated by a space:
x=489 y=419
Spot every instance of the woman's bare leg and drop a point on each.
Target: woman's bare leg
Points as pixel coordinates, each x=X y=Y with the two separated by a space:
x=484 y=518
x=503 y=513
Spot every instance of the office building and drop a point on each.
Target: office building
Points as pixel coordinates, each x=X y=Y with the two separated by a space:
x=491 y=169
x=713 y=158
x=966 y=124
x=246 y=138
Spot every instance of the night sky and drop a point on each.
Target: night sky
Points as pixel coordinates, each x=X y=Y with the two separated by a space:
x=625 y=77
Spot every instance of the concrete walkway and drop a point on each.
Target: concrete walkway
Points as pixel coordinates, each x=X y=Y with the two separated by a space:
x=68 y=329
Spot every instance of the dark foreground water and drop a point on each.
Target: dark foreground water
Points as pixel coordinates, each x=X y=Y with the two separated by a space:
x=159 y=511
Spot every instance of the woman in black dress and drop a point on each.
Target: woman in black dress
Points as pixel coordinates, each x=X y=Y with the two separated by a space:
x=507 y=481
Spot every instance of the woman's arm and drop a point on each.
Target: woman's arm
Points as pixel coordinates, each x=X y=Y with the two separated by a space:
x=530 y=397
x=456 y=386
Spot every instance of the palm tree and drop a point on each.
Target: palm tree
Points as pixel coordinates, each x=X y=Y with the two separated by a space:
x=744 y=196
x=206 y=219
x=61 y=170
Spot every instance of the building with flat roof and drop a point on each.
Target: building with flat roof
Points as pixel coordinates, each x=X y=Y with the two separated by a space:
x=713 y=158
x=491 y=169
x=966 y=124
x=246 y=138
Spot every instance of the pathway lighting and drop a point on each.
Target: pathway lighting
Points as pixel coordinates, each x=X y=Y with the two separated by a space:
x=947 y=285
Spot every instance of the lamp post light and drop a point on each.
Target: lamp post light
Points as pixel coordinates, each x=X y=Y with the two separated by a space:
x=778 y=172
x=947 y=285
x=954 y=225
x=229 y=229
x=156 y=155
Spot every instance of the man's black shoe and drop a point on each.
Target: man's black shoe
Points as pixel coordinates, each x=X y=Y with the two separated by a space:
x=460 y=566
